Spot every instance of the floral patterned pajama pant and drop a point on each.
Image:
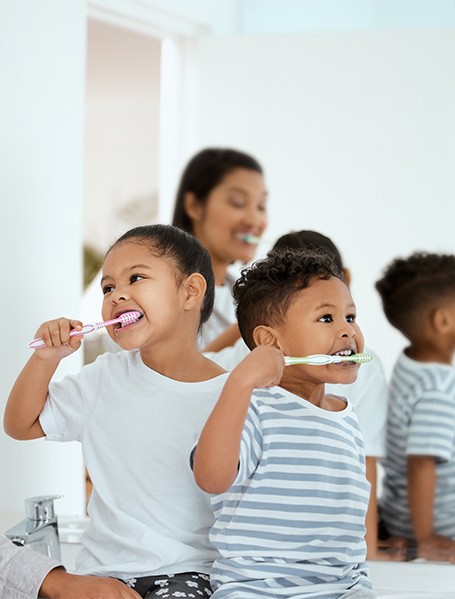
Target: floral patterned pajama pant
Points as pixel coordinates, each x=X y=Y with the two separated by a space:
x=190 y=585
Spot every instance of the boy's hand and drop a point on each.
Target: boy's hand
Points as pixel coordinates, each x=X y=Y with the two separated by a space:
x=263 y=367
x=56 y=335
x=437 y=548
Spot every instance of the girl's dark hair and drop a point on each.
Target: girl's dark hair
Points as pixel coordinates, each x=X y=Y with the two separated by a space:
x=411 y=285
x=205 y=171
x=264 y=292
x=183 y=249
x=308 y=239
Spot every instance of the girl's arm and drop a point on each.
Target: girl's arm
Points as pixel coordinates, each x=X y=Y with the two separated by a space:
x=29 y=393
x=216 y=458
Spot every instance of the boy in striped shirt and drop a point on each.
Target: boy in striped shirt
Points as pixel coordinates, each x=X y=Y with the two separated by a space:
x=285 y=461
x=418 y=501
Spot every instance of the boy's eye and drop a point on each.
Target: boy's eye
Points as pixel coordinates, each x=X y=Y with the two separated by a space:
x=134 y=278
x=107 y=289
x=326 y=318
x=351 y=317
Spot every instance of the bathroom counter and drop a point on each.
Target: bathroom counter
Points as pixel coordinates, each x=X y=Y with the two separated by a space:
x=413 y=580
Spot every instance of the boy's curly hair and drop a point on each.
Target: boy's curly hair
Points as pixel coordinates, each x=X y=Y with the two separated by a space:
x=412 y=285
x=264 y=291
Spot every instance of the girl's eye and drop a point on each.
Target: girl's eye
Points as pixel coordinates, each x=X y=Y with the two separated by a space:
x=107 y=289
x=135 y=278
x=351 y=317
x=326 y=318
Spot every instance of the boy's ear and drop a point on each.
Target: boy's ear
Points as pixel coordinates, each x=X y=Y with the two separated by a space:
x=193 y=208
x=265 y=335
x=195 y=286
x=441 y=320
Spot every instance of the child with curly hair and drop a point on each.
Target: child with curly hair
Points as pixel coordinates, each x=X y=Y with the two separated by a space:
x=418 y=501
x=285 y=459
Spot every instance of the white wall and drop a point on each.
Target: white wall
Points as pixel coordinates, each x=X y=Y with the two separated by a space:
x=121 y=155
x=42 y=60
x=356 y=133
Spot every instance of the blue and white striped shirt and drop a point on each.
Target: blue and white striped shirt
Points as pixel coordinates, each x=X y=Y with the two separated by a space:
x=296 y=511
x=421 y=421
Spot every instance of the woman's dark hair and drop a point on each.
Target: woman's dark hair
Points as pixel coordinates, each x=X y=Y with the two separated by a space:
x=409 y=286
x=309 y=240
x=205 y=171
x=183 y=249
x=264 y=292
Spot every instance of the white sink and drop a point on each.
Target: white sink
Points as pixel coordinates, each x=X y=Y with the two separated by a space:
x=392 y=580
x=70 y=532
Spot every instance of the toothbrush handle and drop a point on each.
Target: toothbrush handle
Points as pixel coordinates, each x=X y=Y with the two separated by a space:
x=87 y=328
x=322 y=359
x=314 y=360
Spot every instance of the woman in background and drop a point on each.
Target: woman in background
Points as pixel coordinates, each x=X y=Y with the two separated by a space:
x=221 y=200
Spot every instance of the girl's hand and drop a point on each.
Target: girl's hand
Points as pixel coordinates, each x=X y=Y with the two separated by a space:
x=262 y=367
x=56 y=335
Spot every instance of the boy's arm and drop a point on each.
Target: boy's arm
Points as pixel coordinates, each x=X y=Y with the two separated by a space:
x=216 y=458
x=371 y=522
x=29 y=393
x=421 y=491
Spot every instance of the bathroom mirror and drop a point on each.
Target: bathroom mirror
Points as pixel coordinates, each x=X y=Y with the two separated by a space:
x=353 y=126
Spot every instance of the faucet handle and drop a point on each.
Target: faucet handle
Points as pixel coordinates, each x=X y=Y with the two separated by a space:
x=41 y=507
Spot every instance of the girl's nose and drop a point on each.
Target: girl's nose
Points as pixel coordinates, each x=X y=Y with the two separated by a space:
x=118 y=296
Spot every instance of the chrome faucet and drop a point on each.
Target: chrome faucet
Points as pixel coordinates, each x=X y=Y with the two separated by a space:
x=39 y=531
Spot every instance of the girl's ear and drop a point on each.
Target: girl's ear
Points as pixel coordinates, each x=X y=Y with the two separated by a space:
x=265 y=335
x=347 y=276
x=195 y=287
x=192 y=207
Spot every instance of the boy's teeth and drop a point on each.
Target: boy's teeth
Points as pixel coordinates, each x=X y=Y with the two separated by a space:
x=346 y=352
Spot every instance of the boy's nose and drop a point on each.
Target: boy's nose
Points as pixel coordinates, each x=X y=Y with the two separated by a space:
x=348 y=331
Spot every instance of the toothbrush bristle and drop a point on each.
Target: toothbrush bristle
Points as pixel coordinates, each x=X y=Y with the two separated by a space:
x=362 y=358
x=251 y=239
x=130 y=317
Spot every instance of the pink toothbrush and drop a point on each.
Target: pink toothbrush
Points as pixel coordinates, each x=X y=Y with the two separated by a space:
x=125 y=318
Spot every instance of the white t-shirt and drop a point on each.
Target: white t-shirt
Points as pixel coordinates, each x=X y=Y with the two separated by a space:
x=368 y=394
x=137 y=429
x=223 y=314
